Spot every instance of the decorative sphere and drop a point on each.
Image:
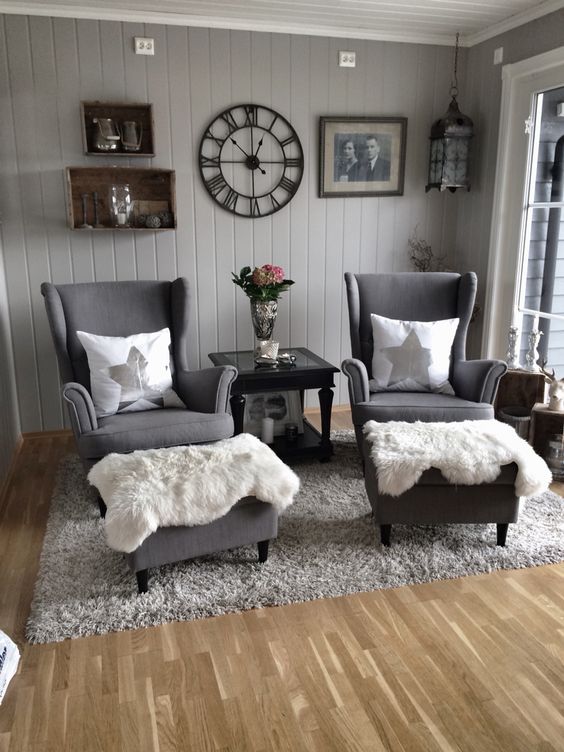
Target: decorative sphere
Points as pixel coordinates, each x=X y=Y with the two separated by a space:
x=153 y=222
x=166 y=219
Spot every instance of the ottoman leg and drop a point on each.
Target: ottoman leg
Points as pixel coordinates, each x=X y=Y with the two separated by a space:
x=385 y=531
x=142 y=580
x=502 y=533
x=263 y=551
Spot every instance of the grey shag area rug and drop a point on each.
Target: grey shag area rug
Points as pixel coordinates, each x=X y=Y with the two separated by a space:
x=327 y=546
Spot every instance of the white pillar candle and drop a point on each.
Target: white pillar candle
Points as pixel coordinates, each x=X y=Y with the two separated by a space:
x=121 y=218
x=535 y=324
x=267 y=432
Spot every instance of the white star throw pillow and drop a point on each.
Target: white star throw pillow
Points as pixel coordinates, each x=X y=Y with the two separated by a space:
x=411 y=356
x=130 y=373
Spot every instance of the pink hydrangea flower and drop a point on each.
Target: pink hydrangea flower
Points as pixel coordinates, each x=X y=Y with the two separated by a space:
x=267 y=275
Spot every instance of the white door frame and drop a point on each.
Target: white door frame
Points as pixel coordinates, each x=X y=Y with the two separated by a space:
x=520 y=81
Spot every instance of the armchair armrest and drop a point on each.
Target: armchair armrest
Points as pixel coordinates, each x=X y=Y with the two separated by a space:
x=477 y=380
x=357 y=375
x=207 y=390
x=81 y=408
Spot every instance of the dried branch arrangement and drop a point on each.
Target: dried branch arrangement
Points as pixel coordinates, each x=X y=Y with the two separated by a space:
x=422 y=257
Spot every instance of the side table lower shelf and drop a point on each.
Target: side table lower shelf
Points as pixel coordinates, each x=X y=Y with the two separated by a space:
x=307 y=444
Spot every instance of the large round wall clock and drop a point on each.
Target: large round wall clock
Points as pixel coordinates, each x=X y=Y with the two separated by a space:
x=251 y=160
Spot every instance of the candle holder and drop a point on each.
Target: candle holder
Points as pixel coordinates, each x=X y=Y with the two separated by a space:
x=120 y=205
x=84 y=199
x=96 y=201
x=511 y=356
x=532 y=353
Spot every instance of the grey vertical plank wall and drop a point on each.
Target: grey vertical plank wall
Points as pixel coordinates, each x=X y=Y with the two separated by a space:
x=49 y=65
x=9 y=413
x=481 y=99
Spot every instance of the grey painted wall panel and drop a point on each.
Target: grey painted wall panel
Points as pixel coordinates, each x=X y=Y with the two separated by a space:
x=51 y=64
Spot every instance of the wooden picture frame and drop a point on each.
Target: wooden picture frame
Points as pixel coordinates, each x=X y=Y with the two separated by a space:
x=282 y=407
x=361 y=156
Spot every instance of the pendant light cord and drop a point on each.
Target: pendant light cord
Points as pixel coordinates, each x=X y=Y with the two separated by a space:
x=454 y=85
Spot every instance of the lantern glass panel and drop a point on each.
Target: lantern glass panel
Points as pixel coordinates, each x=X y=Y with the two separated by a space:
x=455 y=172
x=436 y=161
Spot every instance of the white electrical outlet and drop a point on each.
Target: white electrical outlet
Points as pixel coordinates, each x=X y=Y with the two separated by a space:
x=144 y=46
x=347 y=59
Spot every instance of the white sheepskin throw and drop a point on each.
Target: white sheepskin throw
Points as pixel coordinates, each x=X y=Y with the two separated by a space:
x=190 y=485
x=466 y=453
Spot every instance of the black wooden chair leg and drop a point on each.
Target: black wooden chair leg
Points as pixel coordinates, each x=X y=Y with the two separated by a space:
x=263 y=551
x=385 y=531
x=103 y=508
x=142 y=580
x=502 y=528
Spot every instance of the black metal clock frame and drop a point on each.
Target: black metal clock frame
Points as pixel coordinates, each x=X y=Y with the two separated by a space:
x=263 y=120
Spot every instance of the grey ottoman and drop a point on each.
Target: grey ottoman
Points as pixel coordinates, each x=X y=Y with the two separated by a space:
x=433 y=500
x=249 y=521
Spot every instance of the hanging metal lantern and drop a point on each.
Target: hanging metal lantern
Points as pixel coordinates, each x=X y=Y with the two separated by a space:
x=450 y=144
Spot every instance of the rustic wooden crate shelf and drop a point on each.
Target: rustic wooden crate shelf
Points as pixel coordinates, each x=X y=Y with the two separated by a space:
x=152 y=192
x=119 y=112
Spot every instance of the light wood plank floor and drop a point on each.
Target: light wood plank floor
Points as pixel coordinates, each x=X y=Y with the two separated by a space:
x=472 y=665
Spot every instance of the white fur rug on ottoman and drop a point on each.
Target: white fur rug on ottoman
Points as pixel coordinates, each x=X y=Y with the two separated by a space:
x=466 y=452
x=191 y=485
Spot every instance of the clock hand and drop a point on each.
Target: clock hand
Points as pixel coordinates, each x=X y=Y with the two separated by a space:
x=237 y=145
x=259 y=145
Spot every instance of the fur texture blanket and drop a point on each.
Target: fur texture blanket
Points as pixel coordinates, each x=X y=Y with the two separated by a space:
x=190 y=485
x=466 y=453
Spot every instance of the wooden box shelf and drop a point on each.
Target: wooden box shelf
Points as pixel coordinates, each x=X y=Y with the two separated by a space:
x=152 y=192
x=119 y=112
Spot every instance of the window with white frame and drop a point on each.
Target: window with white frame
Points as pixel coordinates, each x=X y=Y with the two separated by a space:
x=540 y=289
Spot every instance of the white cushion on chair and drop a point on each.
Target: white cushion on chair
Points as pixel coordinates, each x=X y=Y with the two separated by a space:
x=130 y=373
x=411 y=356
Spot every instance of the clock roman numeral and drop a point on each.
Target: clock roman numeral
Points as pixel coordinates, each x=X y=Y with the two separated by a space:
x=216 y=184
x=255 y=209
x=288 y=185
x=251 y=115
x=230 y=201
x=209 y=161
x=293 y=162
x=271 y=126
x=288 y=141
x=232 y=124
x=275 y=203
x=218 y=141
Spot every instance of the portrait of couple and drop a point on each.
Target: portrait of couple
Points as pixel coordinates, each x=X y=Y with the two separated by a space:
x=361 y=157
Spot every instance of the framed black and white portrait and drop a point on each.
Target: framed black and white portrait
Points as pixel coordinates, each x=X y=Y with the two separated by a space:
x=282 y=407
x=361 y=156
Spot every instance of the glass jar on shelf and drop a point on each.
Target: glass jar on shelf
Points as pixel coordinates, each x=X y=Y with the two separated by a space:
x=555 y=456
x=120 y=205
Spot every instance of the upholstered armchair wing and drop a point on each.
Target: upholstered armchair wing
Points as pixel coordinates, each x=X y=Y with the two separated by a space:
x=120 y=309
x=416 y=297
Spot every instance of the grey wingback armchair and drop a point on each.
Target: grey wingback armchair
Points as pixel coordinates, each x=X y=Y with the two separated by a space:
x=120 y=309
x=416 y=296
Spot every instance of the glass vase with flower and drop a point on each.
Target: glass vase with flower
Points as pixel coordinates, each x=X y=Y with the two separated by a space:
x=263 y=286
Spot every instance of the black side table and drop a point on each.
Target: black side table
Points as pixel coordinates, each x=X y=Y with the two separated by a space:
x=309 y=372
